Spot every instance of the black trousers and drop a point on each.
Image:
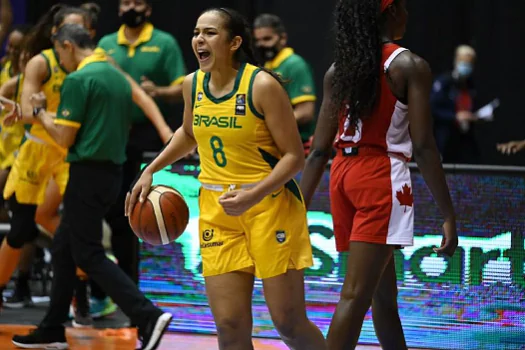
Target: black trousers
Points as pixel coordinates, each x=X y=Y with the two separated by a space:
x=124 y=243
x=92 y=189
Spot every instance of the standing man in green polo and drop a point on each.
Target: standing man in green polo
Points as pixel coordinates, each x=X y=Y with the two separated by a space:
x=93 y=122
x=153 y=59
x=271 y=40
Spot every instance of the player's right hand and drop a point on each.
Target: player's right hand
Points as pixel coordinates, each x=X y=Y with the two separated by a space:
x=449 y=243
x=139 y=192
x=13 y=116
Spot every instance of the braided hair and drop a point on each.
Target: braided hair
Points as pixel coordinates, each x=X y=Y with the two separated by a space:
x=358 y=52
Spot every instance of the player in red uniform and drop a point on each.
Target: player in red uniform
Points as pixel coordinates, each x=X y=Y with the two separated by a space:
x=376 y=102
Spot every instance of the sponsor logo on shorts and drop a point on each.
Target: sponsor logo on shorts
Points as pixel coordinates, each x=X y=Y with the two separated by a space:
x=211 y=245
x=280 y=236
x=207 y=235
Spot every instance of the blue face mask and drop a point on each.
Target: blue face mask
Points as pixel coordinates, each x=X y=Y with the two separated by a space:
x=464 y=69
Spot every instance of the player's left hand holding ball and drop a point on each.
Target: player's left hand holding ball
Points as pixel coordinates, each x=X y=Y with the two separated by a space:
x=138 y=193
x=236 y=202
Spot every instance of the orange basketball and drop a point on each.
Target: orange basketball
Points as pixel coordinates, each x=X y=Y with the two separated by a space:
x=161 y=218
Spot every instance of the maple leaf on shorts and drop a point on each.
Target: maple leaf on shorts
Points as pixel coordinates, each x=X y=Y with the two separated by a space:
x=405 y=196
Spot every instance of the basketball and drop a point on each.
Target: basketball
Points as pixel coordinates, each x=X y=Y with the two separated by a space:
x=161 y=218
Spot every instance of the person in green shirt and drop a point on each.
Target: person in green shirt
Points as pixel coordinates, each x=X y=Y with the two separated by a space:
x=92 y=121
x=153 y=59
x=150 y=56
x=271 y=43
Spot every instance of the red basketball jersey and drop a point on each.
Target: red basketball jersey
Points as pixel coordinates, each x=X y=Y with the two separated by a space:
x=387 y=127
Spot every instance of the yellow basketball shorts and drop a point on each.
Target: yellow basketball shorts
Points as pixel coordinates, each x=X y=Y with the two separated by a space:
x=35 y=164
x=266 y=240
x=10 y=139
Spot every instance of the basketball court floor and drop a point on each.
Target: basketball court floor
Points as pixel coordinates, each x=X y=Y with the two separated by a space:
x=109 y=336
x=125 y=339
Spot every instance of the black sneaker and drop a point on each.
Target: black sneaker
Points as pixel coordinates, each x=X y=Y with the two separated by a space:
x=151 y=335
x=21 y=298
x=82 y=318
x=42 y=339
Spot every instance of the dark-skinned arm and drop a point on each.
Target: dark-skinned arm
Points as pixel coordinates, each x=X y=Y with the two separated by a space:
x=419 y=83
x=324 y=136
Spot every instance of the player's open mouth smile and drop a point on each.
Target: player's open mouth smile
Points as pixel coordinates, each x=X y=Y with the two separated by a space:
x=203 y=55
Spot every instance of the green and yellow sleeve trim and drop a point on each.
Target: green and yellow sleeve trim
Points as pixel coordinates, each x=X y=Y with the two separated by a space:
x=178 y=81
x=48 y=76
x=68 y=123
x=303 y=98
x=250 y=95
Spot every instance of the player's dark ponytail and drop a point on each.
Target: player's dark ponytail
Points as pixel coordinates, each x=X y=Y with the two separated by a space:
x=39 y=38
x=237 y=25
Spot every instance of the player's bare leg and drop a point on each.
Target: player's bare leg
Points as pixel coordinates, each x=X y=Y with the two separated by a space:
x=366 y=263
x=284 y=296
x=47 y=214
x=22 y=294
x=230 y=299
x=385 y=313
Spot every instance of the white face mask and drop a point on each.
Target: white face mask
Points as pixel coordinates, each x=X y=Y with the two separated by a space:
x=464 y=69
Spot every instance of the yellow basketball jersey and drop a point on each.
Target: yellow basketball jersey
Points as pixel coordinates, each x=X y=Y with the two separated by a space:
x=6 y=73
x=235 y=146
x=51 y=88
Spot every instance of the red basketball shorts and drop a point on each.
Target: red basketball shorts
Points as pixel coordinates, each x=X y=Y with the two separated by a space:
x=371 y=200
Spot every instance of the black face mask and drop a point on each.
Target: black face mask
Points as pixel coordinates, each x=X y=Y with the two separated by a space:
x=133 y=19
x=267 y=53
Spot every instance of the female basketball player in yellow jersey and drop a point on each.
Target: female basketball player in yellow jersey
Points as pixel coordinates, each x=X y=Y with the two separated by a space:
x=39 y=175
x=252 y=215
x=40 y=159
x=11 y=136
